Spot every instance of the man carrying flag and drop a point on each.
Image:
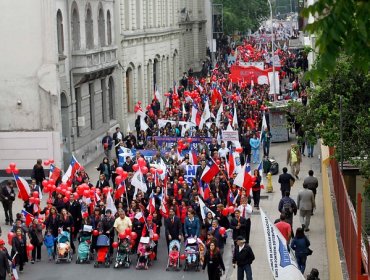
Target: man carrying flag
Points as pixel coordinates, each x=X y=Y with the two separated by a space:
x=210 y=171
x=74 y=166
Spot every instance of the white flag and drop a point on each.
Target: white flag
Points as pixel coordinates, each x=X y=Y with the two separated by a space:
x=143 y=124
x=204 y=209
x=110 y=204
x=128 y=128
x=235 y=118
x=219 y=113
x=264 y=125
x=138 y=181
x=282 y=264
x=206 y=114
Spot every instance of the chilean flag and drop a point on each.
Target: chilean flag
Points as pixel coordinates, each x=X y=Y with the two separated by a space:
x=244 y=178
x=54 y=172
x=230 y=198
x=210 y=171
x=151 y=205
x=193 y=159
x=204 y=190
x=231 y=165
x=28 y=217
x=195 y=115
x=71 y=171
x=260 y=171
x=23 y=188
x=163 y=208
x=140 y=217
x=121 y=189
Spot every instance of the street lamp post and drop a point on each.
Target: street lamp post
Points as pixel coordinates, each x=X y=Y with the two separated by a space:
x=272 y=52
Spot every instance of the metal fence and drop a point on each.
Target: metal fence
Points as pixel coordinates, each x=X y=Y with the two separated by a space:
x=356 y=253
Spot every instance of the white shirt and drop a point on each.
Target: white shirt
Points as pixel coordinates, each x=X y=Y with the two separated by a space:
x=241 y=247
x=248 y=211
x=222 y=152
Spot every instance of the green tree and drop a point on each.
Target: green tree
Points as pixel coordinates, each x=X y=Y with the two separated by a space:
x=243 y=15
x=323 y=115
x=340 y=26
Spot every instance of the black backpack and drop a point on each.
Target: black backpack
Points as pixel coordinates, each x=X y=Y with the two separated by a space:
x=288 y=208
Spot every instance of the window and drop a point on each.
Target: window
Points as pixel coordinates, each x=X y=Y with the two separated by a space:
x=138 y=14
x=109 y=29
x=75 y=29
x=127 y=14
x=101 y=28
x=78 y=109
x=89 y=30
x=60 y=34
x=111 y=98
x=104 y=100
x=92 y=106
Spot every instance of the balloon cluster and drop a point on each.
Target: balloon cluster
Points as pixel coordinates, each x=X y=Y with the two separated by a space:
x=121 y=175
x=183 y=144
x=253 y=102
x=48 y=162
x=141 y=164
x=227 y=211
x=235 y=97
x=12 y=168
x=193 y=95
x=34 y=199
x=137 y=107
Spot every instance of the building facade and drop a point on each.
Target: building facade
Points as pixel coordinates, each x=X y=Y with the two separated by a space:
x=160 y=39
x=73 y=70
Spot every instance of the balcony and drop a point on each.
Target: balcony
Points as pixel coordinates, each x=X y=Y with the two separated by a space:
x=89 y=61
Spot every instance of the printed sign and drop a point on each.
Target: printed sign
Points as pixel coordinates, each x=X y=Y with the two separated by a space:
x=190 y=172
x=230 y=135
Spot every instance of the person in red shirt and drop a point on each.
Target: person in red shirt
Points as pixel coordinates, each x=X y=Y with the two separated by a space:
x=284 y=228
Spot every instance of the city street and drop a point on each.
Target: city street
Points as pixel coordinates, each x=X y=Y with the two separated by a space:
x=269 y=203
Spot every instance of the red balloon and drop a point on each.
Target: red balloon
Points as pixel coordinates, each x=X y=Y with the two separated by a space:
x=86 y=193
x=152 y=170
x=51 y=161
x=118 y=180
x=124 y=175
x=128 y=231
x=115 y=245
x=46 y=189
x=76 y=195
x=231 y=209
x=121 y=235
x=152 y=256
x=225 y=212
x=239 y=150
x=52 y=181
x=119 y=170
x=135 y=167
x=46 y=162
x=159 y=171
x=222 y=230
x=95 y=232
x=105 y=190
x=32 y=199
x=16 y=170
x=181 y=179
x=29 y=247
x=182 y=257
x=133 y=235
x=8 y=170
x=10 y=237
x=35 y=194
x=144 y=169
x=65 y=199
x=141 y=162
x=12 y=165
x=155 y=237
x=44 y=183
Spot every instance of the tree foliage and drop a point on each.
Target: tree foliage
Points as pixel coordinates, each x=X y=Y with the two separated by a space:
x=340 y=26
x=243 y=15
x=323 y=115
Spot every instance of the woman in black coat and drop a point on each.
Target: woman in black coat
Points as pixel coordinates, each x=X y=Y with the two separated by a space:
x=214 y=262
x=19 y=249
x=104 y=168
x=52 y=223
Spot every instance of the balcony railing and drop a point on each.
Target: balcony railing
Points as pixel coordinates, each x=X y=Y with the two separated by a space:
x=87 y=61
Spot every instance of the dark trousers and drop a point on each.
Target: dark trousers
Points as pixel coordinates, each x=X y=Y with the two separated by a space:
x=248 y=271
x=213 y=273
x=7 y=205
x=266 y=149
x=256 y=198
x=247 y=230
x=36 y=252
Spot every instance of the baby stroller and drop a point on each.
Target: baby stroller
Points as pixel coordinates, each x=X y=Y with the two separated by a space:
x=84 y=255
x=123 y=253
x=63 y=247
x=174 y=255
x=144 y=253
x=102 y=256
x=192 y=254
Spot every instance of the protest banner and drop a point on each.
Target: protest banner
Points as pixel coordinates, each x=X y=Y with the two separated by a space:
x=190 y=172
x=230 y=135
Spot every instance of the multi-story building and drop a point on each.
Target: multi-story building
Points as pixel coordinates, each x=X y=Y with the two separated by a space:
x=58 y=83
x=160 y=39
x=72 y=70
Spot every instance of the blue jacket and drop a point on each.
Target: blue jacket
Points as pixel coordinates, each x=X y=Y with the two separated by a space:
x=255 y=143
x=300 y=246
x=49 y=240
x=192 y=228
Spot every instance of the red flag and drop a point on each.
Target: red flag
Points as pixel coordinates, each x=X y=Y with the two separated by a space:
x=23 y=187
x=231 y=164
x=210 y=171
x=120 y=190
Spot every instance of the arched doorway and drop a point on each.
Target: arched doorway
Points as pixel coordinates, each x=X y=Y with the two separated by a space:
x=65 y=129
x=129 y=90
x=111 y=99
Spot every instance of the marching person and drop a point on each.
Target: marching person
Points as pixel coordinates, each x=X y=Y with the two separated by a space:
x=214 y=262
x=300 y=244
x=246 y=212
x=305 y=204
x=172 y=227
x=311 y=183
x=243 y=256
x=38 y=172
x=286 y=181
x=294 y=158
x=7 y=196
x=107 y=143
x=266 y=139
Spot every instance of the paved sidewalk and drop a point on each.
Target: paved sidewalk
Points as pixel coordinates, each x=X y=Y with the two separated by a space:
x=316 y=235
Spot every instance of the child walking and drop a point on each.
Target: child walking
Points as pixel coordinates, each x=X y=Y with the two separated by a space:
x=49 y=243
